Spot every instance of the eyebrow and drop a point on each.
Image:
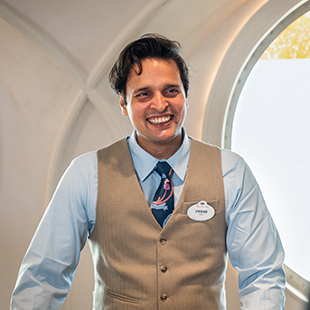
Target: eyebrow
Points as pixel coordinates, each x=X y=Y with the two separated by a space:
x=148 y=87
x=141 y=89
x=173 y=85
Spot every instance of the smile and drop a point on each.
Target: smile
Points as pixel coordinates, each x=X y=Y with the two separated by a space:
x=159 y=120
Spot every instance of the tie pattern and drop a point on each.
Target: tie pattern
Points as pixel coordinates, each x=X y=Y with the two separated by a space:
x=163 y=201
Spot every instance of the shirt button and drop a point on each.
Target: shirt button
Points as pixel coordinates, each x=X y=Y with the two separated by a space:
x=163 y=297
x=163 y=269
x=163 y=241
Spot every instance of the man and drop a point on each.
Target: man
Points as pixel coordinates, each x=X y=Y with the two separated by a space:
x=160 y=209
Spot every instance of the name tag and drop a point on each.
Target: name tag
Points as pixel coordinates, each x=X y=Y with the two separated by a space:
x=200 y=211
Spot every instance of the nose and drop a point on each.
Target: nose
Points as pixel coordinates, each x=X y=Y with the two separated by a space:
x=159 y=102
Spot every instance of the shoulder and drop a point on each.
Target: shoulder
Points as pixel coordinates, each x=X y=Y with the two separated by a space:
x=235 y=169
x=201 y=144
x=231 y=162
x=113 y=148
x=205 y=150
x=229 y=158
x=233 y=165
x=85 y=160
x=81 y=169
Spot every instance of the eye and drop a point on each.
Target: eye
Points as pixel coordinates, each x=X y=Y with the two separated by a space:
x=172 y=92
x=143 y=96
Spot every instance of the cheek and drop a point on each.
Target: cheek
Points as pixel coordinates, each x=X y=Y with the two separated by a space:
x=183 y=109
x=136 y=115
x=183 y=113
x=138 y=111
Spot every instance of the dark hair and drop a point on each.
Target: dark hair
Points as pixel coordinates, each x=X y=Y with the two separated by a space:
x=148 y=46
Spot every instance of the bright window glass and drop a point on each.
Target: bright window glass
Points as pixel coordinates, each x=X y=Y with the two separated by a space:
x=271 y=130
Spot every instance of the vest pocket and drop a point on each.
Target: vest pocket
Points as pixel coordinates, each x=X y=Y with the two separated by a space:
x=121 y=297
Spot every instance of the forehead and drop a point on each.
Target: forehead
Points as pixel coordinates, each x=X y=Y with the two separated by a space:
x=155 y=70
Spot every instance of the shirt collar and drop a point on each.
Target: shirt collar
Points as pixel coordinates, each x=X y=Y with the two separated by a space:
x=144 y=162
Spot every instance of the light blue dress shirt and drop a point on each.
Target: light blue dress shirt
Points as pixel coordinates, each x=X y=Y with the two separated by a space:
x=253 y=244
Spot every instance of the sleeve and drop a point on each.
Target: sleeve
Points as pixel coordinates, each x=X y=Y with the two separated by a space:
x=253 y=243
x=47 y=270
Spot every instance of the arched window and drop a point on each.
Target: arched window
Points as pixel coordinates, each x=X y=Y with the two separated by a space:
x=271 y=129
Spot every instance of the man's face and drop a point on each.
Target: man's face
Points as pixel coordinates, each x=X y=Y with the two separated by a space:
x=156 y=104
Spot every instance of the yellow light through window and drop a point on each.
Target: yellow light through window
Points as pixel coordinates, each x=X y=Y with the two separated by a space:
x=292 y=43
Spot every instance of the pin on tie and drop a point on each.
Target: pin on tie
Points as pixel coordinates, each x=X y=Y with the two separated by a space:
x=163 y=201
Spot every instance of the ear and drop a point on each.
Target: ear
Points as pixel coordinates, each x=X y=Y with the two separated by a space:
x=123 y=105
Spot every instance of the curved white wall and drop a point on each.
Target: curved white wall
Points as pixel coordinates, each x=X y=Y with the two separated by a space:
x=56 y=102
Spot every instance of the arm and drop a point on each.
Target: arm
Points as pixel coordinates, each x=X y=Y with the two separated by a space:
x=46 y=273
x=253 y=243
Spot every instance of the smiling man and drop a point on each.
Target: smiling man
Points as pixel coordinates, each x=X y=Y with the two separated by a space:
x=156 y=105
x=160 y=238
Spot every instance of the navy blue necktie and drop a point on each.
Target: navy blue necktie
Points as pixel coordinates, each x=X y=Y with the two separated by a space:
x=163 y=201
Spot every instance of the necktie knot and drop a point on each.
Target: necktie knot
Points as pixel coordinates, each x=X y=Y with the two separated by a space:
x=163 y=169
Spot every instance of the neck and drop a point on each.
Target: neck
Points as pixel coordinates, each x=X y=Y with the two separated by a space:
x=161 y=150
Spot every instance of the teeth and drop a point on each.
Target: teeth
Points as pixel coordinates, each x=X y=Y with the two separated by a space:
x=159 y=120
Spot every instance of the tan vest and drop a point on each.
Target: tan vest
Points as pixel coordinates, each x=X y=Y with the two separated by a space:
x=139 y=265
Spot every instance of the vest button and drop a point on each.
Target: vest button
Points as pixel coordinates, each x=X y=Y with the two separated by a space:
x=163 y=297
x=163 y=269
x=163 y=241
